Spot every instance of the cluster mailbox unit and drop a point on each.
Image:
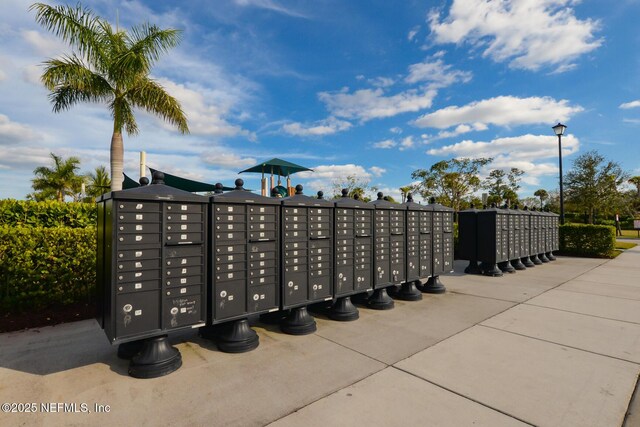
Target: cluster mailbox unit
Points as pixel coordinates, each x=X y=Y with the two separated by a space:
x=245 y=279
x=506 y=240
x=353 y=254
x=169 y=260
x=307 y=261
x=151 y=263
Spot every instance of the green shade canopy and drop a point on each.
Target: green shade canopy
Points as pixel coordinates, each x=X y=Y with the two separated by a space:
x=277 y=167
x=176 y=182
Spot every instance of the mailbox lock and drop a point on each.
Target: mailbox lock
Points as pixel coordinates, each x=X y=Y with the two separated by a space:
x=223 y=294
x=127 y=308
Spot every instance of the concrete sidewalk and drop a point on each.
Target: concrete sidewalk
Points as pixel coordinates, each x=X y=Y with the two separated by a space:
x=555 y=345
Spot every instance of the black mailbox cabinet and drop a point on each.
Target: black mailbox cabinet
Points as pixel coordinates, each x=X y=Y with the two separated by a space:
x=468 y=239
x=307 y=258
x=492 y=240
x=245 y=242
x=441 y=247
x=151 y=270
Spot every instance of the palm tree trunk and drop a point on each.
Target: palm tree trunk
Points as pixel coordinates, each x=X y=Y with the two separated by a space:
x=117 y=160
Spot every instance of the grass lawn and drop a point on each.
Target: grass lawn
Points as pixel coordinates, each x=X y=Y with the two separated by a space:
x=621 y=246
x=630 y=234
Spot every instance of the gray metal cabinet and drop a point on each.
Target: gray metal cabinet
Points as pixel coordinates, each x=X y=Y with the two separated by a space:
x=389 y=243
x=419 y=241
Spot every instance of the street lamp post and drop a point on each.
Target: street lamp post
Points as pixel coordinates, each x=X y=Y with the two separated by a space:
x=559 y=130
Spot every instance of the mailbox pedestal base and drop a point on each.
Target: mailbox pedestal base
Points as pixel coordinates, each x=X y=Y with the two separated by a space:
x=156 y=358
x=273 y=318
x=489 y=269
x=527 y=262
x=129 y=349
x=543 y=257
x=343 y=310
x=550 y=256
x=298 y=322
x=506 y=267
x=380 y=300
x=517 y=264
x=232 y=337
x=535 y=259
x=433 y=286
x=408 y=292
x=473 y=268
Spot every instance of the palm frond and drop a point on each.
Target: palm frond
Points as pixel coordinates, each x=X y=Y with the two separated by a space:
x=123 y=117
x=151 y=96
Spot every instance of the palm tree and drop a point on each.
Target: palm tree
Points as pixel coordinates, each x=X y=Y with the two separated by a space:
x=110 y=67
x=98 y=182
x=57 y=182
x=635 y=181
x=542 y=195
x=405 y=192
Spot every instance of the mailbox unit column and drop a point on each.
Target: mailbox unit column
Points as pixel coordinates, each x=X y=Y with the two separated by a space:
x=152 y=271
x=353 y=254
x=518 y=239
x=468 y=239
x=245 y=235
x=307 y=260
x=419 y=261
x=526 y=238
x=535 y=237
x=442 y=247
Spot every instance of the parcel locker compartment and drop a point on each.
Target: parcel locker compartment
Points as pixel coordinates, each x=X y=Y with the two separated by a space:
x=137 y=276
x=362 y=279
x=319 y=288
x=263 y=226
x=261 y=209
x=413 y=267
x=183 y=251
x=183 y=291
x=183 y=281
x=185 y=227
x=229 y=227
x=135 y=265
x=238 y=266
x=262 y=298
x=266 y=280
x=184 y=238
x=137 y=228
x=229 y=299
x=262 y=272
x=180 y=311
x=147 y=217
x=184 y=271
x=262 y=235
x=344 y=279
x=184 y=262
x=382 y=273
x=294 y=289
x=140 y=286
x=137 y=206
x=138 y=239
x=137 y=313
x=184 y=218
x=262 y=219
x=230 y=238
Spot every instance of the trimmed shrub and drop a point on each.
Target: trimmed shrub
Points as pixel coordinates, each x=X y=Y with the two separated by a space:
x=47 y=214
x=587 y=240
x=44 y=266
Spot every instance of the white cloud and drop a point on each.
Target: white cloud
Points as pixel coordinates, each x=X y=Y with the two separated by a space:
x=387 y=143
x=524 y=152
x=228 y=160
x=12 y=133
x=501 y=111
x=3 y=76
x=325 y=177
x=270 y=5
x=459 y=130
x=628 y=105
x=528 y=34
x=377 y=171
x=413 y=32
x=322 y=127
x=436 y=73
x=44 y=44
x=367 y=104
x=407 y=143
x=396 y=130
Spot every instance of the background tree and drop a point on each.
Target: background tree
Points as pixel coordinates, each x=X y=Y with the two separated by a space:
x=592 y=185
x=503 y=186
x=450 y=181
x=110 y=67
x=404 y=191
x=57 y=182
x=634 y=195
x=636 y=182
x=97 y=183
x=355 y=185
x=542 y=195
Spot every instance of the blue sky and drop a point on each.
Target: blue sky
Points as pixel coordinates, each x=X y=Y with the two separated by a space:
x=374 y=89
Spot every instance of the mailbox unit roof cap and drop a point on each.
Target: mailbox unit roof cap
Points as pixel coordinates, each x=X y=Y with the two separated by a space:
x=300 y=199
x=156 y=191
x=439 y=207
x=385 y=204
x=413 y=206
x=348 y=202
x=242 y=196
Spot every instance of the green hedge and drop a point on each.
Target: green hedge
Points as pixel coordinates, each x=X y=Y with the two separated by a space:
x=587 y=240
x=43 y=266
x=47 y=214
